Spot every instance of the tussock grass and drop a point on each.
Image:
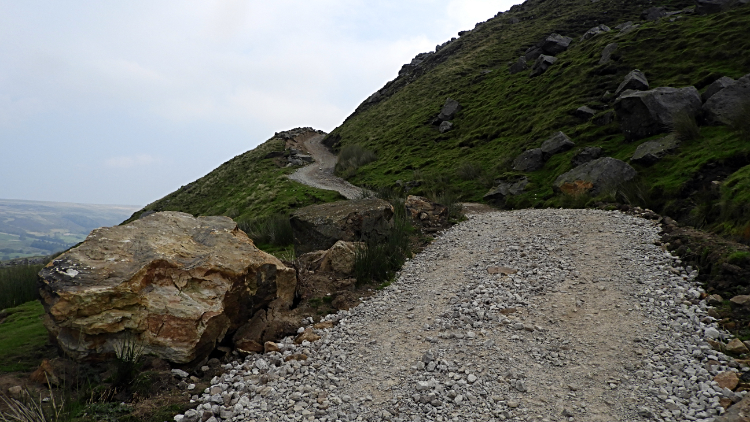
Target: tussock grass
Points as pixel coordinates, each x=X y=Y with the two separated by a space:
x=274 y=230
x=32 y=410
x=351 y=158
x=378 y=260
x=685 y=128
x=18 y=285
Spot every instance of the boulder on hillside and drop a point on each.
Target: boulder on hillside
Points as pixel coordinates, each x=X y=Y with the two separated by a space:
x=518 y=66
x=650 y=152
x=171 y=282
x=607 y=53
x=591 y=33
x=504 y=189
x=634 y=80
x=605 y=118
x=584 y=113
x=449 y=110
x=654 y=13
x=729 y=104
x=318 y=227
x=445 y=127
x=557 y=143
x=338 y=258
x=555 y=44
x=426 y=213
x=595 y=177
x=707 y=7
x=530 y=160
x=585 y=155
x=716 y=86
x=541 y=65
x=646 y=113
x=532 y=53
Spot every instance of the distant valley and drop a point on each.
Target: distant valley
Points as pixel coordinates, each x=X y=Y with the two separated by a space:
x=32 y=228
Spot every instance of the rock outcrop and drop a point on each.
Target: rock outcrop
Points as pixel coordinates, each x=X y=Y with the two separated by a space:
x=716 y=86
x=519 y=66
x=541 y=64
x=171 y=282
x=339 y=258
x=652 y=151
x=646 y=113
x=449 y=110
x=595 y=177
x=585 y=155
x=555 y=44
x=318 y=227
x=530 y=160
x=607 y=53
x=730 y=103
x=591 y=33
x=707 y=7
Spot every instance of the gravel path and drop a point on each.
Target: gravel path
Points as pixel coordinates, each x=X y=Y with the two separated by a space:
x=593 y=323
x=320 y=173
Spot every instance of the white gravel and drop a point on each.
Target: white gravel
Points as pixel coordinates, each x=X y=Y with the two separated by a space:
x=598 y=324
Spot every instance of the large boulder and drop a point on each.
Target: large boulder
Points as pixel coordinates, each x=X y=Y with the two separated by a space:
x=173 y=283
x=647 y=113
x=653 y=13
x=555 y=44
x=716 y=86
x=504 y=189
x=530 y=160
x=585 y=155
x=652 y=151
x=518 y=66
x=595 y=177
x=318 y=227
x=729 y=104
x=557 y=143
x=541 y=64
x=634 y=80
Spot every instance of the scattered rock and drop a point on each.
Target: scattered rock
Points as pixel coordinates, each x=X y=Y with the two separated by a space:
x=340 y=257
x=530 y=160
x=646 y=113
x=736 y=346
x=555 y=44
x=585 y=155
x=607 y=53
x=445 y=127
x=741 y=301
x=426 y=213
x=634 y=80
x=504 y=189
x=323 y=325
x=716 y=86
x=307 y=335
x=584 y=113
x=270 y=347
x=736 y=413
x=318 y=227
x=727 y=380
x=714 y=300
x=654 y=13
x=174 y=283
x=45 y=374
x=505 y=271
x=591 y=33
x=541 y=64
x=729 y=104
x=650 y=152
x=449 y=110
x=559 y=142
x=15 y=392
x=595 y=177
x=519 y=66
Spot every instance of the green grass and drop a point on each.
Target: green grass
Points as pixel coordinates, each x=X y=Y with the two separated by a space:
x=22 y=338
x=18 y=284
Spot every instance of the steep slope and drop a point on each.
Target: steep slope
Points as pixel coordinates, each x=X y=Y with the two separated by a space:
x=250 y=186
x=503 y=114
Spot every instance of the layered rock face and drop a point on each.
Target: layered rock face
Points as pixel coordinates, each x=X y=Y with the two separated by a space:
x=318 y=227
x=174 y=283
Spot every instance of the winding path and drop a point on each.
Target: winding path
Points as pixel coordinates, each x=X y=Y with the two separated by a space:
x=320 y=173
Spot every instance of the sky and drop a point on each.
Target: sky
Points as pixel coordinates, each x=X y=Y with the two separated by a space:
x=123 y=102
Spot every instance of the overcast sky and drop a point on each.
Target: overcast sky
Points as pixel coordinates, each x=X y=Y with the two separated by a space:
x=122 y=102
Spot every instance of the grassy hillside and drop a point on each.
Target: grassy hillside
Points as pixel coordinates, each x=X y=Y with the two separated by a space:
x=505 y=114
x=249 y=187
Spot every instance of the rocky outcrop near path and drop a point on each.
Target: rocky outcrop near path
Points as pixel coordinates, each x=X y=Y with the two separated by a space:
x=646 y=113
x=318 y=227
x=730 y=104
x=595 y=177
x=171 y=282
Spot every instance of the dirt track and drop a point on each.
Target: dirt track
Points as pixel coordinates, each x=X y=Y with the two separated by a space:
x=320 y=173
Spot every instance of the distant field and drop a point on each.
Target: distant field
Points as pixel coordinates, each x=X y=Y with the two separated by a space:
x=33 y=228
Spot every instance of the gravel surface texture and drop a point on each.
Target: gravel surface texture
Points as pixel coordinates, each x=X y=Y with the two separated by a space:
x=320 y=173
x=530 y=315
